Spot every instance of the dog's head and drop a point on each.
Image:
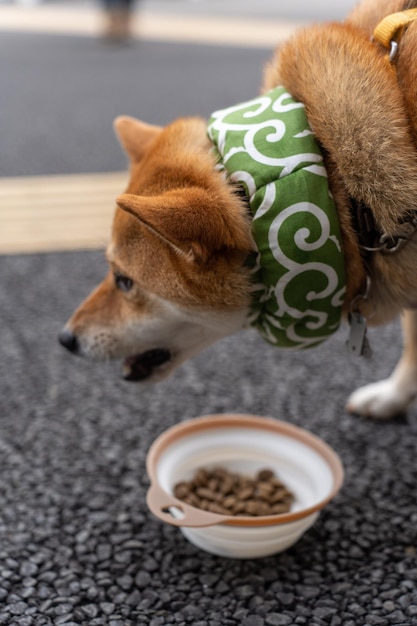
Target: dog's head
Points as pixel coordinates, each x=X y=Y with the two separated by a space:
x=176 y=280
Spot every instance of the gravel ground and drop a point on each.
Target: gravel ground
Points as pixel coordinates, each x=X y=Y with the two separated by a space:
x=77 y=543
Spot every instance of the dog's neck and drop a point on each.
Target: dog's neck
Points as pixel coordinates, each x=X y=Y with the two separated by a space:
x=267 y=146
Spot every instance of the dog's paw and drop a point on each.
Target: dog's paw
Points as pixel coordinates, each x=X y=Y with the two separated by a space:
x=381 y=400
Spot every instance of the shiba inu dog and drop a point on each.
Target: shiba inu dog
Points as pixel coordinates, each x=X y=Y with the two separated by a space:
x=192 y=258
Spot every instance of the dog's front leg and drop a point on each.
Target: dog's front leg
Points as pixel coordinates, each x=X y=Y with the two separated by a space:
x=393 y=395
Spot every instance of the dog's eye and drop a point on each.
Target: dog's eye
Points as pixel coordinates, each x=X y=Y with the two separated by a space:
x=123 y=282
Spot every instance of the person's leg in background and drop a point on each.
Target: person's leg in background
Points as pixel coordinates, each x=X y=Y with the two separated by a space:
x=118 y=19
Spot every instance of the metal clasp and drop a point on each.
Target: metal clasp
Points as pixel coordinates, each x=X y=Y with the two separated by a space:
x=393 y=51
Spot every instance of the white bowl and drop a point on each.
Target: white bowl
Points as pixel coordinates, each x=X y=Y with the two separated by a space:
x=308 y=467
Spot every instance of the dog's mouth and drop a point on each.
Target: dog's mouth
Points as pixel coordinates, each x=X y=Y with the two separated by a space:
x=142 y=366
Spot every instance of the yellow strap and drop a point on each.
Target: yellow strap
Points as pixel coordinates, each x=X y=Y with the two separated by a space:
x=392 y=27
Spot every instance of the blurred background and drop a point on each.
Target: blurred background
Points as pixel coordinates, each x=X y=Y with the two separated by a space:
x=67 y=72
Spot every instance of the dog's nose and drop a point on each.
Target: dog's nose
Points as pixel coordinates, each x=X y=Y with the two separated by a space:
x=67 y=339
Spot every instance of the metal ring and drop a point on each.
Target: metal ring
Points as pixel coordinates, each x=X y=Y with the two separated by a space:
x=397 y=243
x=393 y=51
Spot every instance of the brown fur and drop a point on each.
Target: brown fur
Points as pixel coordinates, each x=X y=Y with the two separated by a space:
x=182 y=234
x=358 y=112
x=186 y=216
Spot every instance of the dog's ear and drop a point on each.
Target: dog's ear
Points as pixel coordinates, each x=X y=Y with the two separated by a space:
x=135 y=136
x=191 y=222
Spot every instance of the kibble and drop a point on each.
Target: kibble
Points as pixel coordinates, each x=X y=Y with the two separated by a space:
x=227 y=493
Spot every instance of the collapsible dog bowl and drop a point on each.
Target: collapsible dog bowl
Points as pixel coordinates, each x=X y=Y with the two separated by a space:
x=242 y=444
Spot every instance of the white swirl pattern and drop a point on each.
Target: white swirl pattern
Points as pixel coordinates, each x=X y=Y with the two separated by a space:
x=267 y=146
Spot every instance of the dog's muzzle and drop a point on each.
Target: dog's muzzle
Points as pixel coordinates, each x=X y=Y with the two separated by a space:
x=135 y=368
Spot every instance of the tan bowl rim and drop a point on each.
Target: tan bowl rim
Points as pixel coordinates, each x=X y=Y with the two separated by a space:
x=234 y=420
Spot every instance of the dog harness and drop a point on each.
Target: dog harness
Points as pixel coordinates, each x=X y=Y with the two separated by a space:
x=267 y=146
x=390 y=30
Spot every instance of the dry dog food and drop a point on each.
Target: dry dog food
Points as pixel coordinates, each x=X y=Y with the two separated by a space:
x=221 y=491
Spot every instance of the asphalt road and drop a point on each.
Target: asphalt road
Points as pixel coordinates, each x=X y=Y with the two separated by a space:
x=61 y=94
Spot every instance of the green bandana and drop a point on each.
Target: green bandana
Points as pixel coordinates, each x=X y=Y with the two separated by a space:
x=267 y=146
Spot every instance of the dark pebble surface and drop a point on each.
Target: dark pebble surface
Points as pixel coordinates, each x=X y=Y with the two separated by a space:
x=77 y=543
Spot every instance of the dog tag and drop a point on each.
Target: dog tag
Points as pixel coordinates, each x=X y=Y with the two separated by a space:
x=358 y=342
x=366 y=348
